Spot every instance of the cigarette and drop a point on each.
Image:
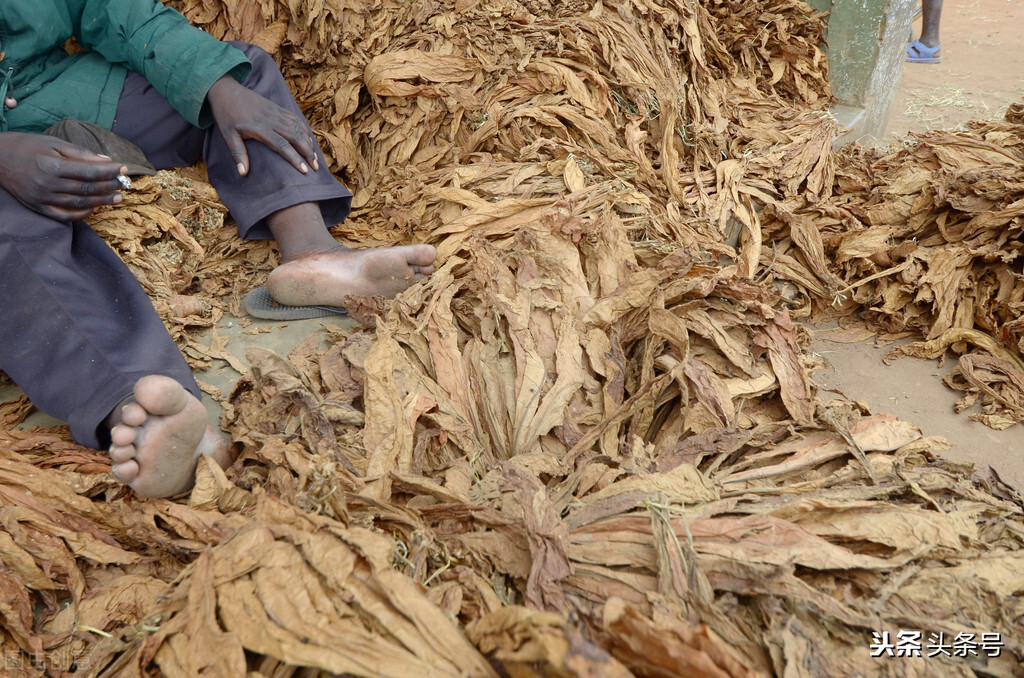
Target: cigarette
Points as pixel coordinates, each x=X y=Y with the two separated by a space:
x=125 y=181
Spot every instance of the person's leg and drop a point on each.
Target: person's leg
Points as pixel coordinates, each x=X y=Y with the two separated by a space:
x=315 y=269
x=932 y=16
x=147 y=119
x=158 y=434
x=80 y=337
x=274 y=200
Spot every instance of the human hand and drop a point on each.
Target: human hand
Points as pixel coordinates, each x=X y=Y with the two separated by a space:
x=57 y=178
x=242 y=114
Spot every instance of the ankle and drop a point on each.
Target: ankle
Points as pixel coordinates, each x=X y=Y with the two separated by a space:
x=313 y=250
x=300 y=231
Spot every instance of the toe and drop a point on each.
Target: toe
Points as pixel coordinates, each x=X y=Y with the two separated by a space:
x=119 y=454
x=122 y=435
x=126 y=472
x=160 y=395
x=133 y=414
x=421 y=255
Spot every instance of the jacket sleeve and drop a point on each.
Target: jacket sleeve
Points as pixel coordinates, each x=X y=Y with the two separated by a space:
x=181 y=61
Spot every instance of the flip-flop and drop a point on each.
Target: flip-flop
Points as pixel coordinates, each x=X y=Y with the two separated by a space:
x=260 y=304
x=920 y=53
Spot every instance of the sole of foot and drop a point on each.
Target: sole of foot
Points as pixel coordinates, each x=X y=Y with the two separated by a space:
x=158 y=438
x=326 y=278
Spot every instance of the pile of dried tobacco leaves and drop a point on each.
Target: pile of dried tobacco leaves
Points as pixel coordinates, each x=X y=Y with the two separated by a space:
x=927 y=239
x=588 y=445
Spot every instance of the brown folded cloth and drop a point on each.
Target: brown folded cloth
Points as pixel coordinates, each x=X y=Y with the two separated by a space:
x=104 y=142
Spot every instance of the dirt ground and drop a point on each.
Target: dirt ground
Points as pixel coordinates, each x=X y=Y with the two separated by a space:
x=981 y=72
x=912 y=390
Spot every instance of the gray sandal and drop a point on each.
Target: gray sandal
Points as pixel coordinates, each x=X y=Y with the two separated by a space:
x=259 y=304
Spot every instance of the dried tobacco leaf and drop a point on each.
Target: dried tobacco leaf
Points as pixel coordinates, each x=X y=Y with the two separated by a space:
x=588 y=444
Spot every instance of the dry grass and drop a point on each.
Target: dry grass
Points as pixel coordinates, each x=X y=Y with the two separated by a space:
x=940 y=105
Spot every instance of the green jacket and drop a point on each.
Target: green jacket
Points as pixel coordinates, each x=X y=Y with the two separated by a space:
x=179 y=60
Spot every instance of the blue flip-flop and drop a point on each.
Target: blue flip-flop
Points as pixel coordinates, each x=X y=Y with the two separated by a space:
x=920 y=53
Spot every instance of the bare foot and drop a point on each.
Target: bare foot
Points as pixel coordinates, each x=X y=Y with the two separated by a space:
x=325 y=278
x=157 y=439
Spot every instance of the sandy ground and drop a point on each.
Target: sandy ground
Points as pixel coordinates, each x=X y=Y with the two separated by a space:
x=981 y=73
x=912 y=389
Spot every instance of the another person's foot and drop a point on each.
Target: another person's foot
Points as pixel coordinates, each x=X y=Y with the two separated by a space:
x=158 y=437
x=326 y=278
x=920 y=53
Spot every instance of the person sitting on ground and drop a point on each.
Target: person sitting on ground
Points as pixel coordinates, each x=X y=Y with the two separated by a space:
x=925 y=50
x=80 y=336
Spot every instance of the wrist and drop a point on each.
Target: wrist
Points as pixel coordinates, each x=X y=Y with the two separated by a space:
x=221 y=89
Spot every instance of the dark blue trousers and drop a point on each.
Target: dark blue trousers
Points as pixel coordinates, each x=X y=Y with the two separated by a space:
x=78 y=329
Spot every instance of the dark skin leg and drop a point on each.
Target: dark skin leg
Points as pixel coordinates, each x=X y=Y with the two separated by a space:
x=317 y=270
x=300 y=231
x=930 y=22
x=160 y=431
